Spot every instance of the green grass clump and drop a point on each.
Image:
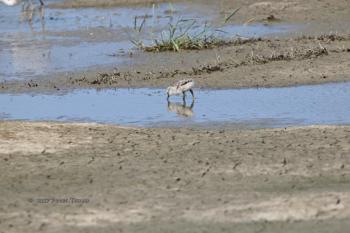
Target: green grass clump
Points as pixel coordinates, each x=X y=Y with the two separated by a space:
x=184 y=35
x=184 y=42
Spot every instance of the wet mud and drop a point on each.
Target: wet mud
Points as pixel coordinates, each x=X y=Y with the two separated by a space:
x=241 y=63
x=315 y=51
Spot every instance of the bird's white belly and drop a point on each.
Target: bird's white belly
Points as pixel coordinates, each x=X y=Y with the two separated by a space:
x=178 y=92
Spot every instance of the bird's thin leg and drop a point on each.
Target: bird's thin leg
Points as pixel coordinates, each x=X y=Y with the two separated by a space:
x=42 y=11
x=183 y=96
x=168 y=97
x=30 y=15
x=42 y=17
x=192 y=93
x=192 y=104
x=41 y=2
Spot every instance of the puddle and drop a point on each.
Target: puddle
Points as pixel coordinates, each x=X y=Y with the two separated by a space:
x=78 y=39
x=266 y=107
x=43 y=58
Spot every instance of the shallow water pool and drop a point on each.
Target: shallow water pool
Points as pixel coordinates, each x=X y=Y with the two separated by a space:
x=265 y=107
x=78 y=39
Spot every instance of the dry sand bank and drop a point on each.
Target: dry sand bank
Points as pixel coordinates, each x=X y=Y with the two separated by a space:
x=183 y=180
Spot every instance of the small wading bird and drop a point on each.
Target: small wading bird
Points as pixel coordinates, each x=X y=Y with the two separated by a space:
x=180 y=88
x=28 y=10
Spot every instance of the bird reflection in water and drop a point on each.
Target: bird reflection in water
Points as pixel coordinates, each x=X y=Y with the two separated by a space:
x=181 y=109
x=29 y=10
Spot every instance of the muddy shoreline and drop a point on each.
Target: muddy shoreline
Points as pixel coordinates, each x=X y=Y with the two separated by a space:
x=326 y=11
x=175 y=179
x=317 y=52
x=240 y=64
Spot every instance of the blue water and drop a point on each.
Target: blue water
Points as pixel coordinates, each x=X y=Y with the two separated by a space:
x=71 y=40
x=265 y=107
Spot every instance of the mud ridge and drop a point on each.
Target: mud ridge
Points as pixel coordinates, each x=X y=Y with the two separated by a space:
x=257 y=54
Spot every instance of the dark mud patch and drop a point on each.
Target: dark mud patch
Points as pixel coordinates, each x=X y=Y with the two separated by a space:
x=292 y=55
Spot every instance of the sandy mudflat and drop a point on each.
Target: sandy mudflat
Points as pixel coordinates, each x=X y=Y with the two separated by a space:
x=178 y=180
x=63 y=177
